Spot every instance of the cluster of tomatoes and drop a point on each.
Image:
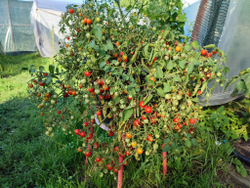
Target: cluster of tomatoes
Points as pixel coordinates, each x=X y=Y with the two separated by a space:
x=146 y=83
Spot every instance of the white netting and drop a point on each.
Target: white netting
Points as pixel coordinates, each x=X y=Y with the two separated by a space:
x=227 y=24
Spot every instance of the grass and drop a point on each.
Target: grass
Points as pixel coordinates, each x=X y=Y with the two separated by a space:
x=13 y=82
x=28 y=158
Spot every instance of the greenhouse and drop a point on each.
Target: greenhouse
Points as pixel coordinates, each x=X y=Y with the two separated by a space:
x=124 y=93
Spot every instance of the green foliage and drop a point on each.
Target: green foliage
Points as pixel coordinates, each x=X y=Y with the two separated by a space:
x=230 y=120
x=242 y=83
x=240 y=168
x=159 y=12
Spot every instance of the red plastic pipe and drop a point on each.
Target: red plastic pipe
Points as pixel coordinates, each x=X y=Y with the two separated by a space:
x=120 y=173
x=164 y=155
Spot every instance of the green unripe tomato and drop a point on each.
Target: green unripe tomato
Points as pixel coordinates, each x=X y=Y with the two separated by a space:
x=167 y=96
x=88 y=35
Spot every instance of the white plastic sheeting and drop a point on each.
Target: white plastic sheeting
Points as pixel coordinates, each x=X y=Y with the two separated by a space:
x=45 y=15
x=15 y=33
x=235 y=42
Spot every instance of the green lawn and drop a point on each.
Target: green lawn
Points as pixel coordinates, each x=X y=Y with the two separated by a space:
x=28 y=158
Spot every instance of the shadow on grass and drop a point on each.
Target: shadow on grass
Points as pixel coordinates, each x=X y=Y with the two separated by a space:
x=28 y=158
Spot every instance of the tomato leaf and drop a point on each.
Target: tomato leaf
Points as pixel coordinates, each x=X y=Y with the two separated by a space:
x=177 y=79
x=173 y=145
x=165 y=33
x=167 y=87
x=195 y=45
x=159 y=72
x=194 y=142
x=101 y=52
x=82 y=108
x=240 y=85
x=203 y=87
x=190 y=68
x=92 y=44
x=149 y=82
x=182 y=64
x=188 y=143
x=225 y=70
x=98 y=32
x=170 y=65
x=126 y=114
x=209 y=46
x=160 y=92
x=215 y=68
x=213 y=86
x=48 y=80
x=146 y=51
x=181 y=18
x=116 y=99
x=166 y=148
x=106 y=68
x=149 y=97
x=102 y=64
x=51 y=68
x=234 y=93
x=41 y=68
x=166 y=141
x=131 y=91
x=188 y=47
x=108 y=46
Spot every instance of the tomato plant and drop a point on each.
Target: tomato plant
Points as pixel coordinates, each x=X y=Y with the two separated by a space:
x=142 y=78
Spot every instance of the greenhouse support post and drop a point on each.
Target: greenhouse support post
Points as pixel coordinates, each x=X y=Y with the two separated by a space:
x=120 y=173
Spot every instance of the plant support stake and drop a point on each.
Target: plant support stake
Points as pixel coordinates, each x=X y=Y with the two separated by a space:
x=120 y=173
x=164 y=155
x=91 y=132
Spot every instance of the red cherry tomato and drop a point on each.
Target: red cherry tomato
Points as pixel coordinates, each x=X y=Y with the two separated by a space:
x=192 y=121
x=203 y=52
x=99 y=112
x=82 y=134
x=176 y=119
x=97 y=159
x=71 y=11
x=77 y=131
x=96 y=145
x=109 y=166
x=148 y=109
x=141 y=104
x=87 y=74
x=90 y=89
x=41 y=83
x=88 y=153
x=136 y=122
